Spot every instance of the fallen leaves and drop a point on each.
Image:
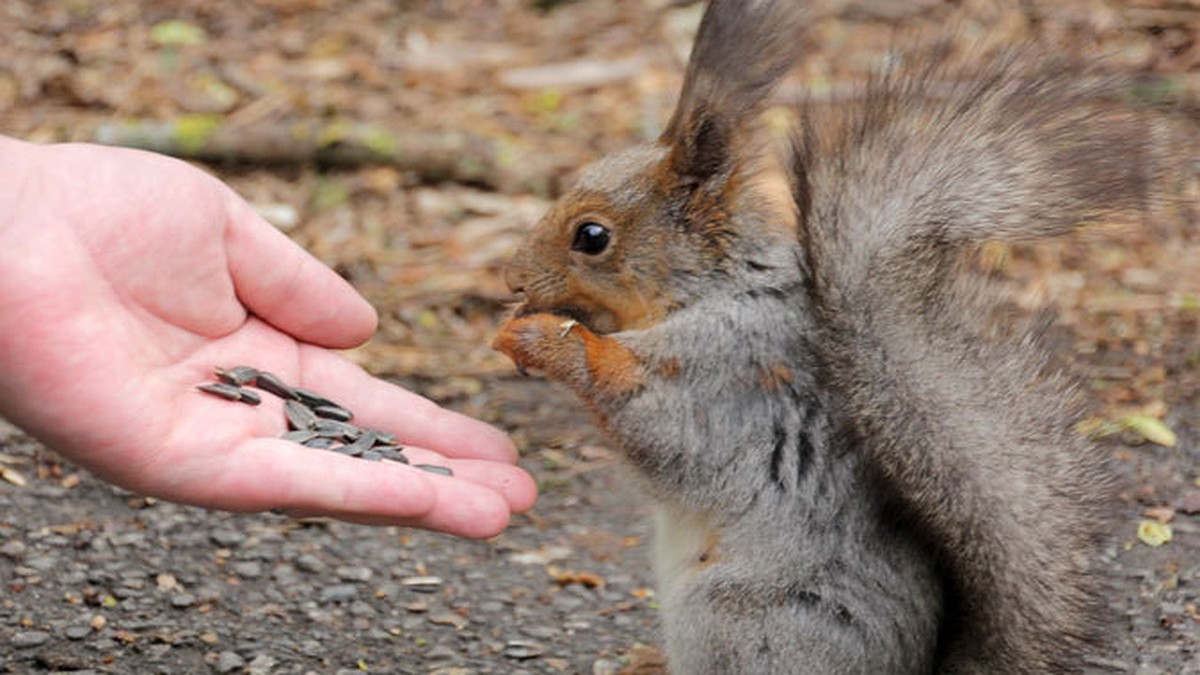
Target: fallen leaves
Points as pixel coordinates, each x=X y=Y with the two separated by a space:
x=567 y=577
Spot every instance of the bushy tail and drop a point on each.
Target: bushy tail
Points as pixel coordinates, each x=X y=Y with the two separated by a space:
x=976 y=436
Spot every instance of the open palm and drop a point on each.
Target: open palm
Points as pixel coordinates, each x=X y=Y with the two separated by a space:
x=128 y=276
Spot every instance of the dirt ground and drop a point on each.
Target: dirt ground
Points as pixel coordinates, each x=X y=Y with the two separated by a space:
x=409 y=145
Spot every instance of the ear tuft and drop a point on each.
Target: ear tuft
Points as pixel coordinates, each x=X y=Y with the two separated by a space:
x=742 y=49
x=702 y=152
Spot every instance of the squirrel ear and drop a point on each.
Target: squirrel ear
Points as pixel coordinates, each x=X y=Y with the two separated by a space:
x=701 y=151
x=742 y=49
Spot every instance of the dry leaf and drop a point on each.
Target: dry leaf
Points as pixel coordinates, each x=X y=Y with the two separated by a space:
x=1162 y=514
x=568 y=577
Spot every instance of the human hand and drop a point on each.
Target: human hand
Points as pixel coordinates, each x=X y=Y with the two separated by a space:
x=128 y=276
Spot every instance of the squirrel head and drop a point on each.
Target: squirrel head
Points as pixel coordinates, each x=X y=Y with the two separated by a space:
x=648 y=230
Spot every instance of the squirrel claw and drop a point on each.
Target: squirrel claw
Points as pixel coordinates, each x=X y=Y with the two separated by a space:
x=566 y=327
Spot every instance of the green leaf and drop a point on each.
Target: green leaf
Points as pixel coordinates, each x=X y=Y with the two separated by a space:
x=176 y=33
x=192 y=131
x=1152 y=429
x=1153 y=533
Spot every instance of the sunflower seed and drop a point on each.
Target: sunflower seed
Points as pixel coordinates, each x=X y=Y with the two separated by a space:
x=312 y=399
x=298 y=416
x=272 y=384
x=440 y=470
x=392 y=452
x=363 y=444
x=299 y=435
x=238 y=376
x=333 y=412
x=384 y=438
x=335 y=429
x=313 y=420
x=225 y=391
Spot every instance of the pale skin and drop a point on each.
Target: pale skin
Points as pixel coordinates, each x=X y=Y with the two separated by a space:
x=128 y=276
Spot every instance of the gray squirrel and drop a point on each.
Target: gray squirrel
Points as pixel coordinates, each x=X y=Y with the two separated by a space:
x=851 y=474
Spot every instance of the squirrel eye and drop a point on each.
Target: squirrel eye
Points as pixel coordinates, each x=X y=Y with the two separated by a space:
x=591 y=238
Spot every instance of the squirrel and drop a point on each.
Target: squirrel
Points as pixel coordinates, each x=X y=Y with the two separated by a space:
x=851 y=473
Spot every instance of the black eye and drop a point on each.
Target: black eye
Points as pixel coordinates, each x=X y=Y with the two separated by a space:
x=591 y=238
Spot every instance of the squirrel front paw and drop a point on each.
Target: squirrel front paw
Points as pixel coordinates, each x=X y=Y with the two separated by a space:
x=568 y=351
x=538 y=341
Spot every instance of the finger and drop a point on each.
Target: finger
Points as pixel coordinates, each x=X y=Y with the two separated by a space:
x=266 y=473
x=414 y=419
x=290 y=289
x=462 y=508
x=512 y=483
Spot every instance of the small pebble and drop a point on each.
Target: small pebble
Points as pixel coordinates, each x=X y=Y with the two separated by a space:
x=440 y=653
x=77 y=632
x=33 y=638
x=227 y=538
x=183 y=600
x=13 y=549
x=310 y=563
x=523 y=649
x=247 y=569
x=354 y=573
x=339 y=593
x=228 y=662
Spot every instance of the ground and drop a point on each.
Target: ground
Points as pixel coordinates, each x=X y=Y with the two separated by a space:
x=434 y=133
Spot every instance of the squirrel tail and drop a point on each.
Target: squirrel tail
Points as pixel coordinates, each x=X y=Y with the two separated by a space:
x=932 y=165
x=977 y=436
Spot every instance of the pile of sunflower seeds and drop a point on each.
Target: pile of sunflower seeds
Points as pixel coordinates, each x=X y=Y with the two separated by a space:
x=313 y=420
